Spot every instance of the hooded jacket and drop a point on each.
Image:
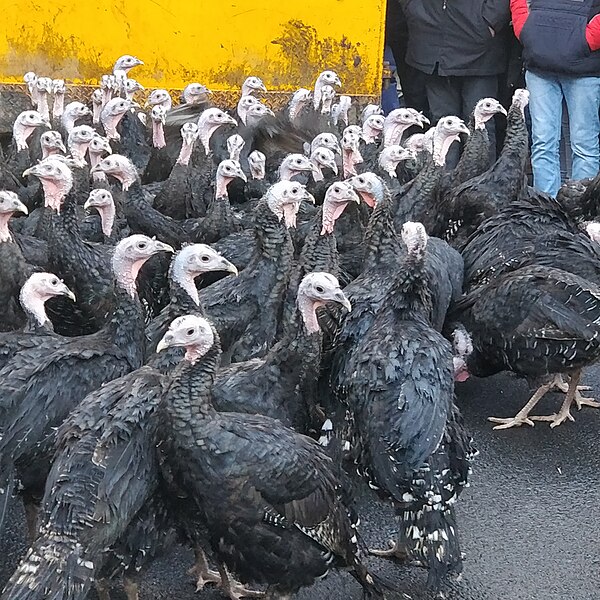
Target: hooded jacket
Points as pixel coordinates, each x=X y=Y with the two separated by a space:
x=559 y=36
x=457 y=37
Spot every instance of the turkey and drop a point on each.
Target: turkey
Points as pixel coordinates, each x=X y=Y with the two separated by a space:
x=264 y=491
x=36 y=291
x=176 y=196
x=40 y=386
x=532 y=231
x=190 y=262
x=246 y=309
x=538 y=322
x=397 y=381
x=14 y=269
x=85 y=267
x=469 y=204
x=282 y=385
x=104 y=471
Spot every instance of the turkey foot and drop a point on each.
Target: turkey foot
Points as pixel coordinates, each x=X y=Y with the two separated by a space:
x=393 y=552
x=580 y=400
x=102 y=589
x=234 y=589
x=131 y=589
x=522 y=417
x=202 y=571
x=560 y=384
x=565 y=410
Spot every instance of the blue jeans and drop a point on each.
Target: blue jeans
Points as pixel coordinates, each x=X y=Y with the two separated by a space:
x=582 y=97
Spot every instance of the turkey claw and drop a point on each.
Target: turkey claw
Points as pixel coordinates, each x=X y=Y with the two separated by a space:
x=237 y=591
x=511 y=422
x=581 y=401
x=393 y=552
x=556 y=419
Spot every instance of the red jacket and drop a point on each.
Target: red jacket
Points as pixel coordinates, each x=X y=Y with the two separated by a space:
x=520 y=11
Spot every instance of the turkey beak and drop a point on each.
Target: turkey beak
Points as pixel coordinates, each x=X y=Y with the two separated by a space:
x=59 y=144
x=332 y=165
x=338 y=82
x=308 y=196
x=165 y=342
x=96 y=169
x=65 y=291
x=353 y=196
x=230 y=267
x=31 y=171
x=241 y=175
x=230 y=120
x=464 y=129
x=88 y=204
x=20 y=207
x=262 y=87
x=161 y=247
x=341 y=298
x=424 y=120
x=501 y=109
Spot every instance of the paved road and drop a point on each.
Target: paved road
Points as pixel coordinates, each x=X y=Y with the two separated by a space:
x=529 y=523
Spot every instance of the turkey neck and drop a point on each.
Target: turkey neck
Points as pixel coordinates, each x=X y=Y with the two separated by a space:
x=380 y=239
x=184 y=293
x=410 y=294
x=319 y=252
x=188 y=398
x=274 y=241
x=299 y=348
x=5 y=235
x=37 y=319
x=126 y=326
x=417 y=201
x=66 y=221
x=474 y=158
x=514 y=154
x=222 y=216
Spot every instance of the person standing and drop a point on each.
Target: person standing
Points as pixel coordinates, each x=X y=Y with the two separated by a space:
x=461 y=47
x=561 y=43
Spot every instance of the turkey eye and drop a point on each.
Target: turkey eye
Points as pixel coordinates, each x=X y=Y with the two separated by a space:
x=54 y=282
x=205 y=258
x=294 y=190
x=190 y=332
x=319 y=289
x=142 y=245
x=336 y=190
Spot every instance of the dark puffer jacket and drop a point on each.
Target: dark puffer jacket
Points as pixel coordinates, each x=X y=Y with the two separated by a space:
x=455 y=37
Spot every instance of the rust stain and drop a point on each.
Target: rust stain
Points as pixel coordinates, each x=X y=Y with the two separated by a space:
x=303 y=54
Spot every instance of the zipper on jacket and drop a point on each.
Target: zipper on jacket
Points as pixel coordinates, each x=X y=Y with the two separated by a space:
x=445 y=4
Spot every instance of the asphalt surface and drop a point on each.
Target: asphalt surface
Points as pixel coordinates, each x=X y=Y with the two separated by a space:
x=529 y=522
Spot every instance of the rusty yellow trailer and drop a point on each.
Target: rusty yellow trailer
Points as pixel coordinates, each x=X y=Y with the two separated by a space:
x=215 y=42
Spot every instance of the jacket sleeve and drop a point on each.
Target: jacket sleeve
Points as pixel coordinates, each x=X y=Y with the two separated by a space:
x=496 y=13
x=519 y=12
x=592 y=33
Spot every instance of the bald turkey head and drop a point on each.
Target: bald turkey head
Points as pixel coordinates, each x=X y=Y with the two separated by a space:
x=191 y=332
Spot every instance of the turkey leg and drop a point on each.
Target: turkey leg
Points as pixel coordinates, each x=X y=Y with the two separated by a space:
x=573 y=395
x=234 y=589
x=202 y=571
x=522 y=417
x=561 y=385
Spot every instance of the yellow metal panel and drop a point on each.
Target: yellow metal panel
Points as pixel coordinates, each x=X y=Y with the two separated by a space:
x=215 y=42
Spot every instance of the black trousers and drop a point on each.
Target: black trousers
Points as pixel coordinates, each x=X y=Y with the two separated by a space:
x=458 y=96
x=411 y=80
